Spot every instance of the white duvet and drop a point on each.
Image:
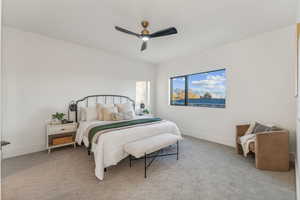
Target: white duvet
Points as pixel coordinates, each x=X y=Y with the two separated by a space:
x=109 y=148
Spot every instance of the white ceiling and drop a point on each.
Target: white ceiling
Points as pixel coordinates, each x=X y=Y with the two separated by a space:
x=201 y=23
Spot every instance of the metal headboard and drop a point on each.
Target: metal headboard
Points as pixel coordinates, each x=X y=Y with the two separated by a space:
x=103 y=99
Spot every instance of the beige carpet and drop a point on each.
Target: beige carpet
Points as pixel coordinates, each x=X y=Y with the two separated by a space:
x=204 y=171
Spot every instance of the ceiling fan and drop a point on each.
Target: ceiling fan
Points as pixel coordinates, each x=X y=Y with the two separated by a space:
x=145 y=34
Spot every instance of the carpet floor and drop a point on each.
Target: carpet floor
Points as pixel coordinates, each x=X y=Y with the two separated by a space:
x=205 y=171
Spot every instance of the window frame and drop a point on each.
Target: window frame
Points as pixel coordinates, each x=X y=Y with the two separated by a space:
x=187 y=89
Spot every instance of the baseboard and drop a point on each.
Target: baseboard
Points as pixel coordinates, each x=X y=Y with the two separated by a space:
x=210 y=139
x=9 y=153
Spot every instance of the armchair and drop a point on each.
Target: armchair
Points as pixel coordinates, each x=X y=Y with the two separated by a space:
x=271 y=149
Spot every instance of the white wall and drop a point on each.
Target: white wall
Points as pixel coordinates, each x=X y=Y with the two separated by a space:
x=298 y=11
x=297 y=161
x=43 y=75
x=260 y=86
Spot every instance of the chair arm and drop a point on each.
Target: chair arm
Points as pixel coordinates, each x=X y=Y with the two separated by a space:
x=273 y=138
x=272 y=149
x=241 y=130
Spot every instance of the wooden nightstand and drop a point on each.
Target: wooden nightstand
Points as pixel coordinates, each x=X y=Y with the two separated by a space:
x=59 y=135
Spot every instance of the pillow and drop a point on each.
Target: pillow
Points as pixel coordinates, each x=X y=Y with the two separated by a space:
x=129 y=115
x=88 y=113
x=99 y=107
x=258 y=127
x=125 y=107
x=117 y=116
x=107 y=113
x=122 y=116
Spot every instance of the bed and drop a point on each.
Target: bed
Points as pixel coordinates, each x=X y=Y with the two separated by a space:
x=107 y=145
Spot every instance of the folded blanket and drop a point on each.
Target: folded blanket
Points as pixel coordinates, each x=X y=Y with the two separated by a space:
x=245 y=142
x=98 y=130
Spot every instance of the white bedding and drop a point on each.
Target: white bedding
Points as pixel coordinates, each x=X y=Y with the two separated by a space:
x=109 y=149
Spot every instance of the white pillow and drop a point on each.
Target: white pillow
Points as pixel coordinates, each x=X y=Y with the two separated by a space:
x=107 y=113
x=88 y=113
x=99 y=107
x=125 y=108
x=129 y=115
x=122 y=116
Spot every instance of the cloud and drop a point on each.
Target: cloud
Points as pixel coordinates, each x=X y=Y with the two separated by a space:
x=210 y=80
x=179 y=79
x=214 y=84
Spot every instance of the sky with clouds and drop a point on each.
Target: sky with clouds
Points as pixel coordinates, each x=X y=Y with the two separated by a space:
x=213 y=82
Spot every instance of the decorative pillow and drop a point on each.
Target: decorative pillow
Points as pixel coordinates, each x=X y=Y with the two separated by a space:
x=99 y=107
x=258 y=127
x=122 y=116
x=117 y=116
x=107 y=113
x=129 y=115
x=125 y=107
x=88 y=113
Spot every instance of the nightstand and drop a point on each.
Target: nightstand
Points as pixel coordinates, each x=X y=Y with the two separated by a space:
x=59 y=135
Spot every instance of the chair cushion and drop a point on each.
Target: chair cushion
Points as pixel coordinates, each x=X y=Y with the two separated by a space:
x=150 y=144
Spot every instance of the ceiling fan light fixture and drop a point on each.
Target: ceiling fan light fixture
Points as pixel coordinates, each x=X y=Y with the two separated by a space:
x=145 y=33
x=145 y=38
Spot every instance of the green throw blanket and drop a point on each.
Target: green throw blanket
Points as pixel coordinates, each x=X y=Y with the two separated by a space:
x=96 y=129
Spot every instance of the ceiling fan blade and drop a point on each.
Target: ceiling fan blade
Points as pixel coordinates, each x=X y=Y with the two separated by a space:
x=165 y=32
x=144 y=46
x=126 y=31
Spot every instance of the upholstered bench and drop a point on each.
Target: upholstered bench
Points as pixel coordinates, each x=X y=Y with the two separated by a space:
x=142 y=149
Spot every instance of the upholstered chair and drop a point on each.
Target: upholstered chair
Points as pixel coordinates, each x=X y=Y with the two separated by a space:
x=271 y=148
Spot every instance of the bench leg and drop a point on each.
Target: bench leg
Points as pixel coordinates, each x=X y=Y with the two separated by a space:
x=157 y=155
x=145 y=162
x=177 y=154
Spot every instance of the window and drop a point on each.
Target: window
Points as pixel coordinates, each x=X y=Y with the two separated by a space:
x=178 y=88
x=206 y=89
x=142 y=93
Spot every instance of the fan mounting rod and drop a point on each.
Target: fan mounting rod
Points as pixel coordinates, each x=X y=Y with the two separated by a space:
x=145 y=24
